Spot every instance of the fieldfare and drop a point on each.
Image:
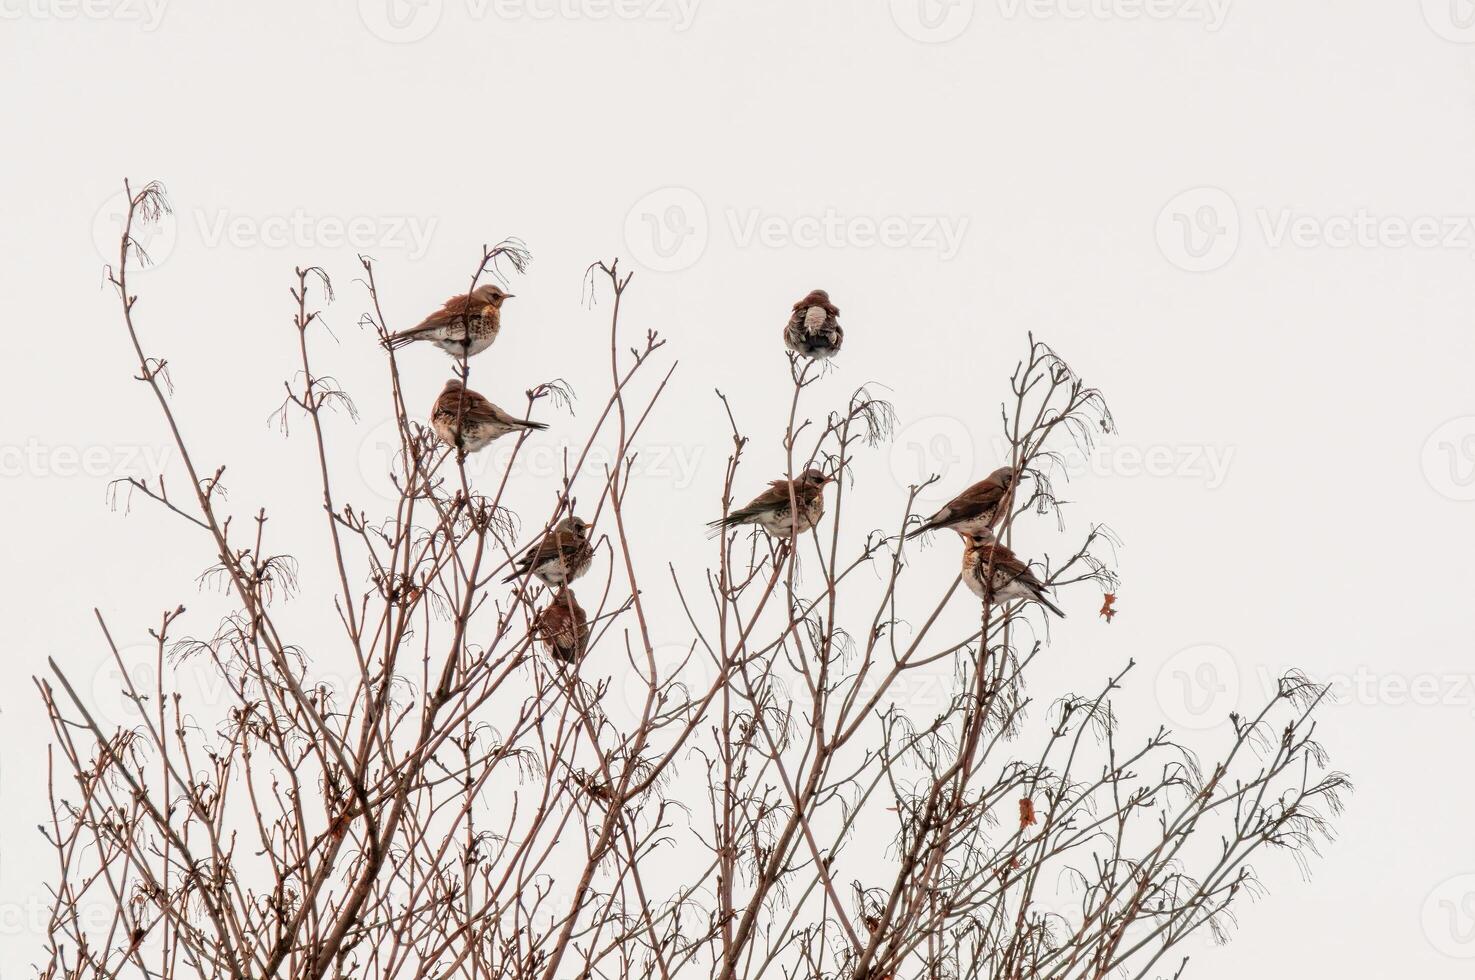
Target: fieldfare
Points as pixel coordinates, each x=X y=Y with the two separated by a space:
x=562 y=556
x=814 y=328
x=1011 y=578
x=464 y=419
x=466 y=325
x=976 y=509
x=563 y=627
x=770 y=510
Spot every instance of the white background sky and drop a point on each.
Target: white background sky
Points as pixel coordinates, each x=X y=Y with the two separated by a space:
x=1248 y=221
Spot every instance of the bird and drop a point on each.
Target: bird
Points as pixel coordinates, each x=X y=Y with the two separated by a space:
x=562 y=556
x=770 y=510
x=813 y=329
x=1009 y=577
x=468 y=422
x=563 y=627
x=978 y=508
x=465 y=325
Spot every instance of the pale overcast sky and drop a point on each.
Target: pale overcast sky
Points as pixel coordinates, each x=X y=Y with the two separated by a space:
x=1250 y=222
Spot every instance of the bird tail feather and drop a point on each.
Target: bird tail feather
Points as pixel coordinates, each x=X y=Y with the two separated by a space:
x=920 y=530
x=1044 y=601
x=716 y=528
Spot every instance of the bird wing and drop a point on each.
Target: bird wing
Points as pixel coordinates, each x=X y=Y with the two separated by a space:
x=966 y=506
x=453 y=311
x=975 y=501
x=464 y=403
x=480 y=410
x=561 y=544
x=774 y=499
x=564 y=610
x=1009 y=564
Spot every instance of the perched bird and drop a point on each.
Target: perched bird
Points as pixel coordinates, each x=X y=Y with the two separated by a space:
x=1011 y=578
x=562 y=556
x=814 y=328
x=563 y=627
x=978 y=508
x=464 y=419
x=465 y=325
x=770 y=510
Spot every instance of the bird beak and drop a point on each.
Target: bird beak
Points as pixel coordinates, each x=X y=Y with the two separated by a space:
x=508 y=295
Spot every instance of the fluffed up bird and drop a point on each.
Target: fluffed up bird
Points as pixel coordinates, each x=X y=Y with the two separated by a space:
x=1011 y=578
x=466 y=421
x=465 y=325
x=978 y=508
x=814 y=328
x=563 y=627
x=562 y=556
x=771 y=509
